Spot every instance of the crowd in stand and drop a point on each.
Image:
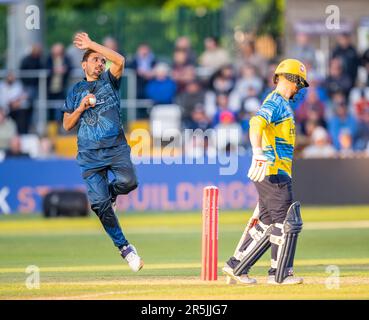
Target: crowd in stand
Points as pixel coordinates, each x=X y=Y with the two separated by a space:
x=216 y=90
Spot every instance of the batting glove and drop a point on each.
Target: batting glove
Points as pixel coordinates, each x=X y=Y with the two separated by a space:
x=258 y=167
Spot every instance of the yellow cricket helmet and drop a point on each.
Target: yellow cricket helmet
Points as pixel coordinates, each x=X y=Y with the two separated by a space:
x=294 y=71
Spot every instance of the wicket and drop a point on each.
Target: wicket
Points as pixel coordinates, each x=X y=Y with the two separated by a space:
x=209 y=266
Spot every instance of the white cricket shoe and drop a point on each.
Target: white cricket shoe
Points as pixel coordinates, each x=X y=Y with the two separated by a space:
x=129 y=253
x=290 y=280
x=232 y=278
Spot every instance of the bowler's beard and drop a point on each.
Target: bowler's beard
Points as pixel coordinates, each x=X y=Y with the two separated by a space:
x=94 y=74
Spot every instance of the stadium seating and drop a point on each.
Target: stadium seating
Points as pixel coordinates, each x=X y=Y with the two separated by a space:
x=165 y=122
x=66 y=146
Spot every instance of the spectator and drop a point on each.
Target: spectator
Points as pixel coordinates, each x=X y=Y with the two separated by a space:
x=362 y=116
x=182 y=71
x=143 y=63
x=223 y=80
x=111 y=43
x=14 y=101
x=228 y=130
x=337 y=80
x=311 y=109
x=59 y=66
x=251 y=57
x=346 y=144
x=348 y=55
x=249 y=83
x=198 y=119
x=46 y=148
x=75 y=55
x=214 y=57
x=269 y=84
x=337 y=98
x=33 y=61
x=189 y=98
x=184 y=43
x=161 y=89
x=224 y=113
x=341 y=120
x=15 y=150
x=365 y=63
x=310 y=126
x=361 y=105
x=248 y=109
x=197 y=144
x=303 y=50
x=8 y=129
x=320 y=147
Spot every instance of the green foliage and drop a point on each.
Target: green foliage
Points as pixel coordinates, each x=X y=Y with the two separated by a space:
x=3 y=35
x=194 y=4
x=132 y=26
x=169 y=4
x=260 y=17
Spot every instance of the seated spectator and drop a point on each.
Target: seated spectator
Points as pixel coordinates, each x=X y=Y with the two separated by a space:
x=184 y=44
x=214 y=56
x=251 y=103
x=111 y=43
x=246 y=100
x=224 y=113
x=197 y=119
x=192 y=95
x=341 y=120
x=362 y=116
x=228 y=130
x=337 y=98
x=249 y=78
x=337 y=80
x=15 y=103
x=346 y=144
x=46 y=148
x=15 y=150
x=32 y=61
x=59 y=66
x=223 y=80
x=161 y=89
x=248 y=55
x=361 y=106
x=221 y=83
x=311 y=109
x=249 y=108
x=365 y=63
x=347 y=53
x=8 y=129
x=74 y=54
x=182 y=71
x=143 y=63
x=304 y=50
x=320 y=147
x=269 y=84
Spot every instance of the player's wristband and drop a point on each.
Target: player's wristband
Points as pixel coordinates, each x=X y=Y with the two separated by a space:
x=257 y=151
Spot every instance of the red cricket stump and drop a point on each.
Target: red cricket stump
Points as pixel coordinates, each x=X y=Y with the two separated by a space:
x=209 y=266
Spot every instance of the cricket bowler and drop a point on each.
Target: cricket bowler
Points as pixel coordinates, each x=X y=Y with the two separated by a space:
x=272 y=136
x=93 y=105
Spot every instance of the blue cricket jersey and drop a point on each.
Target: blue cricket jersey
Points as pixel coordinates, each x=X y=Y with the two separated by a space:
x=100 y=126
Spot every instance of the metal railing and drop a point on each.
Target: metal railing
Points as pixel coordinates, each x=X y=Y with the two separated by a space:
x=42 y=104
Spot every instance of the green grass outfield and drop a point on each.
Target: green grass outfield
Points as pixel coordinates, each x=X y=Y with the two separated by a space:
x=77 y=260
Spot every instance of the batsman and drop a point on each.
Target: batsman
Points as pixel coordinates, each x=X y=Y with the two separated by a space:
x=276 y=222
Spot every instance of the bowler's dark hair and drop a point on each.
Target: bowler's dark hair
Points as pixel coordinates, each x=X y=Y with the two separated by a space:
x=87 y=54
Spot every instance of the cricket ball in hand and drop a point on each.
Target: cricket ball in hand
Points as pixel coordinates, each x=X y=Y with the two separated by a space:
x=92 y=101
